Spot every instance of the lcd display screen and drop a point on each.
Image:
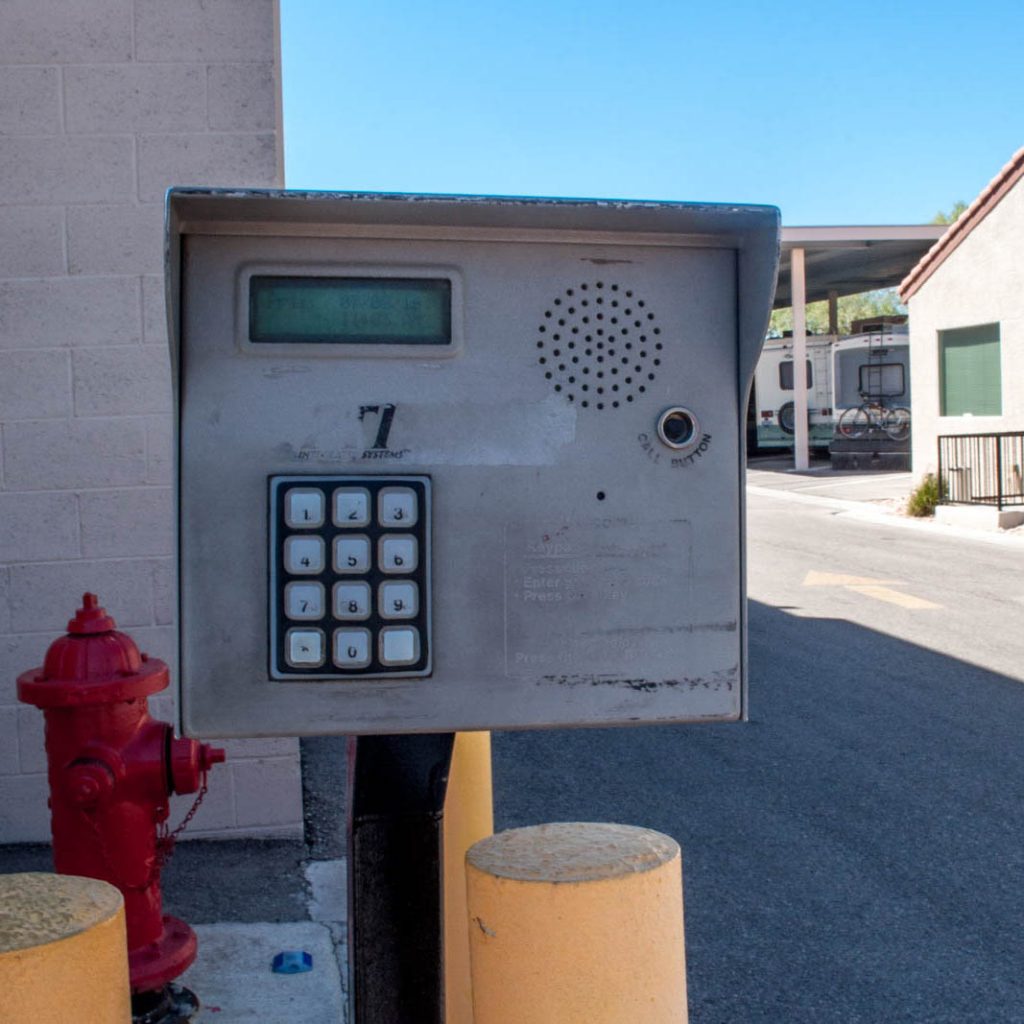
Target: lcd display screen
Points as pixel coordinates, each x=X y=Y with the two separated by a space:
x=350 y=310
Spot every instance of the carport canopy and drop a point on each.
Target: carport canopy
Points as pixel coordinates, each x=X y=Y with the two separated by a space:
x=850 y=260
x=830 y=262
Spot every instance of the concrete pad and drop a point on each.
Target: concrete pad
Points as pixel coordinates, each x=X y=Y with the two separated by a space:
x=328 y=882
x=981 y=517
x=234 y=982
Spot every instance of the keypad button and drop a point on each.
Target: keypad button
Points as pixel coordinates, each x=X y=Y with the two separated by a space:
x=351 y=648
x=399 y=645
x=396 y=506
x=351 y=506
x=304 y=648
x=304 y=600
x=399 y=554
x=304 y=555
x=351 y=554
x=351 y=601
x=304 y=507
x=398 y=600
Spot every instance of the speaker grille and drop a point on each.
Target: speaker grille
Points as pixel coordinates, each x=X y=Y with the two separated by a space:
x=599 y=345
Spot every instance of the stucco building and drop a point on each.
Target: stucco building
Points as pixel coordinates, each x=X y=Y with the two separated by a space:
x=966 y=303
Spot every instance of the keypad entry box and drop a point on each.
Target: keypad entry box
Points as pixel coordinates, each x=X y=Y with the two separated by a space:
x=449 y=463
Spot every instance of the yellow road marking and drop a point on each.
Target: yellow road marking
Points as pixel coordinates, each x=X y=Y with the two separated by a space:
x=895 y=597
x=870 y=588
x=831 y=579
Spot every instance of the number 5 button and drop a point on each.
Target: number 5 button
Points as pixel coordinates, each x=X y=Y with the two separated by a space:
x=398 y=554
x=399 y=599
x=351 y=554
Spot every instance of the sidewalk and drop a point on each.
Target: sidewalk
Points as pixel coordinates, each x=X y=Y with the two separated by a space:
x=247 y=901
x=859 y=494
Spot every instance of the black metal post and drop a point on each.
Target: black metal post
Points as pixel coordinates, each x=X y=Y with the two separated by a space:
x=397 y=787
x=999 y=472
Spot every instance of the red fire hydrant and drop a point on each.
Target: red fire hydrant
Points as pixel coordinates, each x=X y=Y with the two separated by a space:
x=112 y=770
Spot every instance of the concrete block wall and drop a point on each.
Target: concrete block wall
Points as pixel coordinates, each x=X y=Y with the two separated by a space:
x=103 y=105
x=980 y=282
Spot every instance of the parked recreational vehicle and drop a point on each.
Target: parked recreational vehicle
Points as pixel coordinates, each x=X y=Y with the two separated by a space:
x=773 y=392
x=872 y=364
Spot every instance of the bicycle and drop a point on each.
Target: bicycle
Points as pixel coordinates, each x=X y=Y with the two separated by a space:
x=871 y=415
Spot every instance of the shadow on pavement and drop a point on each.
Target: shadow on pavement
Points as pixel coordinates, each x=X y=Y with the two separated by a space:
x=852 y=854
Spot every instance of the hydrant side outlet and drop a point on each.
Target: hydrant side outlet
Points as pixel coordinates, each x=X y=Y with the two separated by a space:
x=112 y=770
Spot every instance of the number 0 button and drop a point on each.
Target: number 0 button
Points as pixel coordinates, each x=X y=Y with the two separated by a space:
x=351 y=648
x=398 y=554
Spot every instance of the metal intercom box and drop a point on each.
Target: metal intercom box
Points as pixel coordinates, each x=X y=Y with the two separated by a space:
x=449 y=463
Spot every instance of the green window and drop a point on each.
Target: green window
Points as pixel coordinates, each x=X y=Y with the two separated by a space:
x=970 y=380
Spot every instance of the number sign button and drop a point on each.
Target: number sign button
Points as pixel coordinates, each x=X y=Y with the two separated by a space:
x=351 y=648
x=351 y=601
x=399 y=600
x=304 y=555
x=351 y=506
x=351 y=554
x=396 y=506
x=304 y=600
x=304 y=507
x=398 y=553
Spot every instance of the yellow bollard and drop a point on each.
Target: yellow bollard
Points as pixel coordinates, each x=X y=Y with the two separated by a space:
x=468 y=817
x=63 y=951
x=577 y=923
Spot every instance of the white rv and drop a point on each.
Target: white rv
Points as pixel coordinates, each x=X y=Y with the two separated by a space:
x=773 y=392
x=873 y=364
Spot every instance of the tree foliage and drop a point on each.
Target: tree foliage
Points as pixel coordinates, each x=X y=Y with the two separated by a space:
x=883 y=302
x=947 y=218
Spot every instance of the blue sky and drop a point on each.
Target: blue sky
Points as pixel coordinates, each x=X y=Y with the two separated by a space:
x=838 y=113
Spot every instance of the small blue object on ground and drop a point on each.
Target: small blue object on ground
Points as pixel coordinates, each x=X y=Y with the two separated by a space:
x=292 y=961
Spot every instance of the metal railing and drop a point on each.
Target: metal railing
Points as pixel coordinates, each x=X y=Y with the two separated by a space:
x=982 y=469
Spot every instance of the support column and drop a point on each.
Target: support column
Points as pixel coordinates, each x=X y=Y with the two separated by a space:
x=801 y=447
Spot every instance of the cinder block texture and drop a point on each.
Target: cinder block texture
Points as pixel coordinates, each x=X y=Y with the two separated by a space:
x=31 y=242
x=242 y=97
x=9 y=761
x=154 y=310
x=29 y=101
x=219 y=31
x=35 y=385
x=31 y=740
x=267 y=790
x=65 y=31
x=24 y=816
x=38 y=526
x=45 y=596
x=122 y=381
x=248 y=160
x=125 y=523
x=122 y=239
x=103 y=105
x=63 y=455
x=42 y=169
x=60 y=312
x=135 y=97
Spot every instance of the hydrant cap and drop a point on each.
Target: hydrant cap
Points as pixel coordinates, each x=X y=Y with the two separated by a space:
x=93 y=664
x=91 y=618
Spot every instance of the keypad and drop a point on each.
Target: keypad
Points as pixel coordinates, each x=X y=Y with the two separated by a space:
x=349 y=576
